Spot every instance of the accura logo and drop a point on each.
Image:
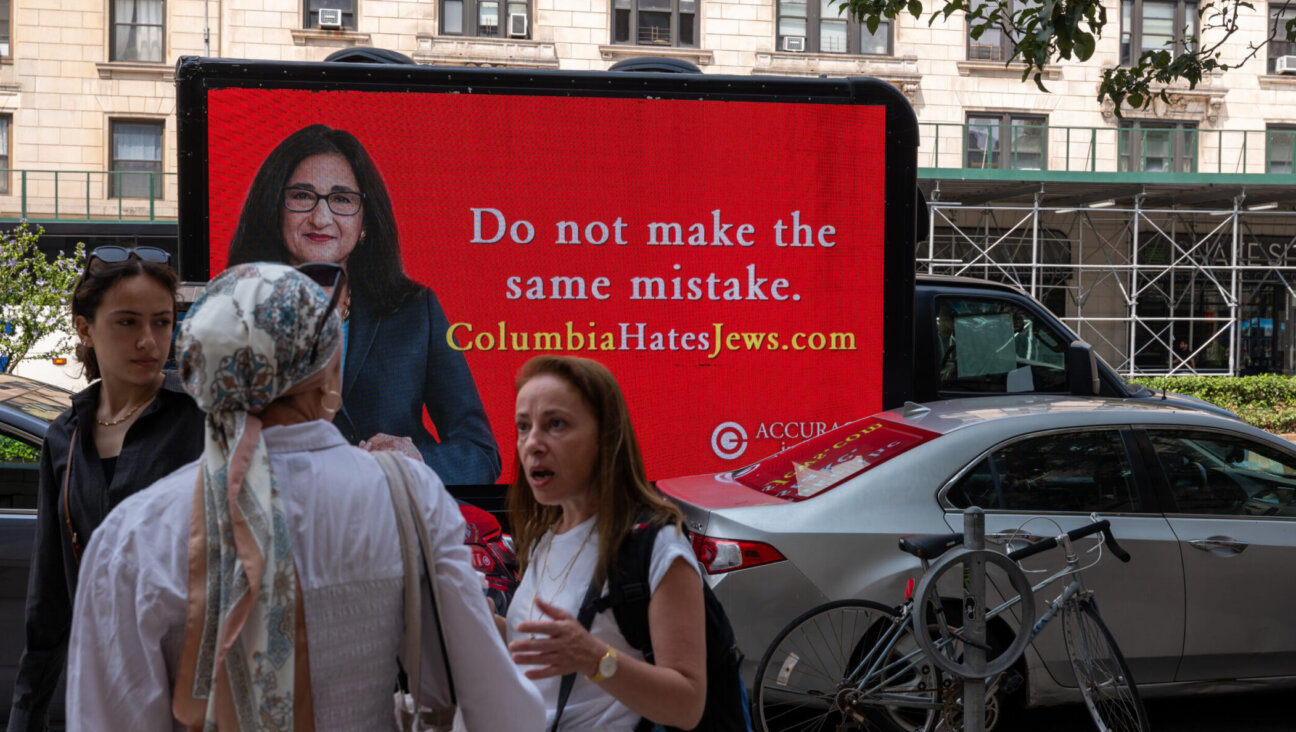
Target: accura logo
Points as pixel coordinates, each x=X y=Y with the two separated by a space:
x=729 y=440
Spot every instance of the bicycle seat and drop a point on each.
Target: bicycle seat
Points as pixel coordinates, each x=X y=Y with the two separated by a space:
x=929 y=546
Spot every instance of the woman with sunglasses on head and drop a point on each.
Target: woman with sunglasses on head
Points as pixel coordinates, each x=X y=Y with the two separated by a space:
x=319 y=198
x=130 y=427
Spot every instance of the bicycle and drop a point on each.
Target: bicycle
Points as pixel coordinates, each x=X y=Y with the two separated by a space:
x=857 y=664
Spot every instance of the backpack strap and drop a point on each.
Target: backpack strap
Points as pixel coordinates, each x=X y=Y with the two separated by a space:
x=630 y=591
x=585 y=618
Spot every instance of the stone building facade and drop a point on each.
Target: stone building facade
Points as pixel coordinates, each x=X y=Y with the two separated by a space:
x=1042 y=189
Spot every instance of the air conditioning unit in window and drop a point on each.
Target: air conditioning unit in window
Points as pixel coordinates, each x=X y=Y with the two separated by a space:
x=793 y=43
x=517 y=25
x=1285 y=65
x=330 y=18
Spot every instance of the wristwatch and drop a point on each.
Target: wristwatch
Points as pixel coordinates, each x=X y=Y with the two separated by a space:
x=607 y=666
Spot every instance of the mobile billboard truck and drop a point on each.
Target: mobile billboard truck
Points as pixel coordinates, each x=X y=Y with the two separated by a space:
x=738 y=250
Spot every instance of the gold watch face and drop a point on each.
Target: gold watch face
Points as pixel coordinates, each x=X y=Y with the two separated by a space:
x=607 y=665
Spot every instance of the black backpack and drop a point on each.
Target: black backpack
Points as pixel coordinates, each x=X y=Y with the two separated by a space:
x=628 y=596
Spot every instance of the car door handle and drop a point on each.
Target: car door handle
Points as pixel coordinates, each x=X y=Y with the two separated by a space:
x=1220 y=544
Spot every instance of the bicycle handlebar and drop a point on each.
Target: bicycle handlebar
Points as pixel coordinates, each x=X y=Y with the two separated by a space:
x=1051 y=542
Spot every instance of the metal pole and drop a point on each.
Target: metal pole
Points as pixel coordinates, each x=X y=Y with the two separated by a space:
x=1132 y=304
x=974 y=688
x=1035 y=263
x=1235 y=338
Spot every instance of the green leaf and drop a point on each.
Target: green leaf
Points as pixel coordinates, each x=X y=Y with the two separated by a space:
x=1135 y=100
x=915 y=8
x=873 y=22
x=1084 y=45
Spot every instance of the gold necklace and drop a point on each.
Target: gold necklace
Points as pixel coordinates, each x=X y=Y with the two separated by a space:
x=544 y=570
x=127 y=415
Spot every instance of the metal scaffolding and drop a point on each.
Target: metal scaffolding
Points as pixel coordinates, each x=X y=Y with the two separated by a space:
x=1156 y=291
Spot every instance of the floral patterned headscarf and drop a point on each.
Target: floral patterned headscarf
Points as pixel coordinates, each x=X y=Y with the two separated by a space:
x=249 y=339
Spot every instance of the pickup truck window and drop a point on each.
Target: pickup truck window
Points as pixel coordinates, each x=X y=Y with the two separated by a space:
x=996 y=347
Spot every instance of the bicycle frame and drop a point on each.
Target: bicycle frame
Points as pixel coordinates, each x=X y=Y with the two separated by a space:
x=872 y=675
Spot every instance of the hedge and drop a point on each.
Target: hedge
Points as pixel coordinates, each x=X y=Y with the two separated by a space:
x=1267 y=401
x=15 y=451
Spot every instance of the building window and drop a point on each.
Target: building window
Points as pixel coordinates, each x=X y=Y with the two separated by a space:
x=5 y=123
x=1280 y=144
x=5 y=11
x=137 y=30
x=488 y=18
x=655 y=22
x=136 y=165
x=345 y=15
x=1005 y=141
x=994 y=44
x=1158 y=147
x=1280 y=14
x=821 y=26
x=1149 y=25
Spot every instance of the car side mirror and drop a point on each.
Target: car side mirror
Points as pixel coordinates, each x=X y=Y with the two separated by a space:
x=1082 y=369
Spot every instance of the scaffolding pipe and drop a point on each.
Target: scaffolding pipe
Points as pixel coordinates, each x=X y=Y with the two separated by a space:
x=1234 y=298
x=1131 y=300
x=1035 y=215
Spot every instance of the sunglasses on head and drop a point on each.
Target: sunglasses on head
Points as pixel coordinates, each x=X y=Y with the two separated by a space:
x=324 y=274
x=114 y=254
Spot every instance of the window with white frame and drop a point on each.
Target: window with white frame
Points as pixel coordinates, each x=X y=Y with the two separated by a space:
x=137 y=30
x=824 y=26
x=655 y=22
x=135 y=170
x=486 y=18
x=1155 y=25
x=329 y=14
x=1280 y=14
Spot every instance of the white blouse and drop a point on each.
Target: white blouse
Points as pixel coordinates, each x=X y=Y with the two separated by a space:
x=128 y=621
x=559 y=572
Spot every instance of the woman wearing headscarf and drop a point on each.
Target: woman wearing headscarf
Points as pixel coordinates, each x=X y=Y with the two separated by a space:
x=261 y=587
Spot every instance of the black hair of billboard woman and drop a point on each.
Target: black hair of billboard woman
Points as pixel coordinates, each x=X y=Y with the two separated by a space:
x=659 y=64
x=368 y=55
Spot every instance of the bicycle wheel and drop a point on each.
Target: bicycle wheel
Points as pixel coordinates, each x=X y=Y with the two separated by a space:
x=1104 y=679
x=801 y=682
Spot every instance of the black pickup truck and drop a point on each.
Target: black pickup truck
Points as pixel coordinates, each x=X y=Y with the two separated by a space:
x=974 y=338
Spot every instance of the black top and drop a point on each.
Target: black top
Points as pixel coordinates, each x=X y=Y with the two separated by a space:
x=167 y=435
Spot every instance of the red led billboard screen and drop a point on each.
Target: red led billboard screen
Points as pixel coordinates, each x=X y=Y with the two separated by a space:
x=725 y=258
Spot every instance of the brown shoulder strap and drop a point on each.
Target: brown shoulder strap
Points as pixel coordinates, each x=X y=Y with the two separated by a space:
x=67 y=513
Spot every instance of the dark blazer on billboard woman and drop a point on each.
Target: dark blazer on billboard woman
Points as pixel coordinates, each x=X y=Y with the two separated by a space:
x=396 y=364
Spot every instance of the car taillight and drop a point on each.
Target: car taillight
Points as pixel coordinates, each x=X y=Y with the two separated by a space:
x=725 y=555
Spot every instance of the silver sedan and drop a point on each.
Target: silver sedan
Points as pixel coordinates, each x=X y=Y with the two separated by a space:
x=1205 y=505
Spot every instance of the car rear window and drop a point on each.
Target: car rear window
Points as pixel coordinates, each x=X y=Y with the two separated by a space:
x=821 y=463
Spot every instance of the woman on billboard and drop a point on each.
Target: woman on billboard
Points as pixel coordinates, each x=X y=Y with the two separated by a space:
x=318 y=197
